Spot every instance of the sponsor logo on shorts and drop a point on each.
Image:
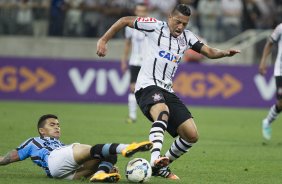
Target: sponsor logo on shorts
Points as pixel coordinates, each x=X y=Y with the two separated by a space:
x=157 y=97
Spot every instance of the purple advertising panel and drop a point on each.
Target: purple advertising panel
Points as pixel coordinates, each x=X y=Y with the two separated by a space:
x=101 y=81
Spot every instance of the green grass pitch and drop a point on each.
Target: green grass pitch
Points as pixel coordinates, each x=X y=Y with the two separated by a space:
x=230 y=148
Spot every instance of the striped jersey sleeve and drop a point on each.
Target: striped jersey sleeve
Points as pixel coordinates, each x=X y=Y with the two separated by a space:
x=128 y=32
x=276 y=34
x=24 y=150
x=146 y=24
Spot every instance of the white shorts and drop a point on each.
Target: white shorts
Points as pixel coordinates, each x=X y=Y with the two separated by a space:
x=61 y=163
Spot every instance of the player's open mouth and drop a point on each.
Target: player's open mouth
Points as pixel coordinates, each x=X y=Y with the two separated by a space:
x=177 y=32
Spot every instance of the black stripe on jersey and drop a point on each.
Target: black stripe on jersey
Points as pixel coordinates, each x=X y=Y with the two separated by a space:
x=197 y=46
x=27 y=142
x=185 y=38
x=136 y=27
x=169 y=42
x=161 y=33
x=164 y=71
x=172 y=71
x=49 y=149
x=42 y=138
x=154 y=70
x=37 y=144
x=178 y=47
x=36 y=158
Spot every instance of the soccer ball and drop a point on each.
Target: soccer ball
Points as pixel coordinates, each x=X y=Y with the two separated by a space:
x=138 y=170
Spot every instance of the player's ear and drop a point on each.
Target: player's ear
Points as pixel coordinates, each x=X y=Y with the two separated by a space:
x=41 y=131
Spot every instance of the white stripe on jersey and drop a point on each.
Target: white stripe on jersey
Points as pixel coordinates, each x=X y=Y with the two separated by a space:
x=276 y=37
x=163 y=55
x=138 y=45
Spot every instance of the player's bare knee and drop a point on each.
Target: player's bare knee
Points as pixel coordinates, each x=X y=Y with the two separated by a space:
x=163 y=116
x=156 y=110
x=190 y=137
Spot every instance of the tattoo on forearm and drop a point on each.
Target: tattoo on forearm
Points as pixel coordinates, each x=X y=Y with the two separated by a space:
x=10 y=157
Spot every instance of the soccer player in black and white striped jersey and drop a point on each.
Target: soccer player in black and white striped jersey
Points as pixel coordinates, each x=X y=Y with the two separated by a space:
x=167 y=42
x=275 y=38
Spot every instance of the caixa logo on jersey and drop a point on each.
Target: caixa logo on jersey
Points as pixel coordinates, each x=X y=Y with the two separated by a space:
x=169 y=56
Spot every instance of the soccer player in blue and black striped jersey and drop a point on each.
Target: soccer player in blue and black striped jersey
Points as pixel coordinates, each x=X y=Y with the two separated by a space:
x=72 y=161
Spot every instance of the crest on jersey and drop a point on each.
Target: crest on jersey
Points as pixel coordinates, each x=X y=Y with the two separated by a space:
x=182 y=41
x=157 y=97
x=146 y=19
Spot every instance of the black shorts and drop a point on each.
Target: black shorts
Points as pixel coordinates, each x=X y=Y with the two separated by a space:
x=278 y=80
x=152 y=95
x=134 y=70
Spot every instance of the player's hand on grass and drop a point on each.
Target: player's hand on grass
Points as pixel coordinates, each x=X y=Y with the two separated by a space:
x=101 y=48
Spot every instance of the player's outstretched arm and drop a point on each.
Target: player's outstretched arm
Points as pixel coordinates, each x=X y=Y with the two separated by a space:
x=214 y=53
x=266 y=51
x=10 y=157
x=117 y=26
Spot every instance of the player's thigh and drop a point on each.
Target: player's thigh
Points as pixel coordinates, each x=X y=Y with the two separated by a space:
x=62 y=164
x=178 y=113
x=157 y=109
x=148 y=97
x=87 y=169
x=81 y=153
x=188 y=131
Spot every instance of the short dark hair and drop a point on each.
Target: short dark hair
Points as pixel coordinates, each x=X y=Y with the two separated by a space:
x=184 y=9
x=41 y=121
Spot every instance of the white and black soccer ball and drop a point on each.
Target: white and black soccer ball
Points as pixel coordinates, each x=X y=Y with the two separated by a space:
x=138 y=170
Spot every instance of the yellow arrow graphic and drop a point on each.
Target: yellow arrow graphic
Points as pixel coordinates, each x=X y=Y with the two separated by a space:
x=30 y=79
x=233 y=86
x=40 y=80
x=227 y=86
x=218 y=85
x=47 y=80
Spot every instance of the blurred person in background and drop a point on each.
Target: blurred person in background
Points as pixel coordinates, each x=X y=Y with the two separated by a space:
x=268 y=13
x=8 y=15
x=251 y=15
x=57 y=18
x=209 y=14
x=41 y=14
x=231 y=18
x=112 y=10
x=73 y=23
x=91 y=17
x=24 y=18
x=275 y=38
x=136 y=42
x=159 y=10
